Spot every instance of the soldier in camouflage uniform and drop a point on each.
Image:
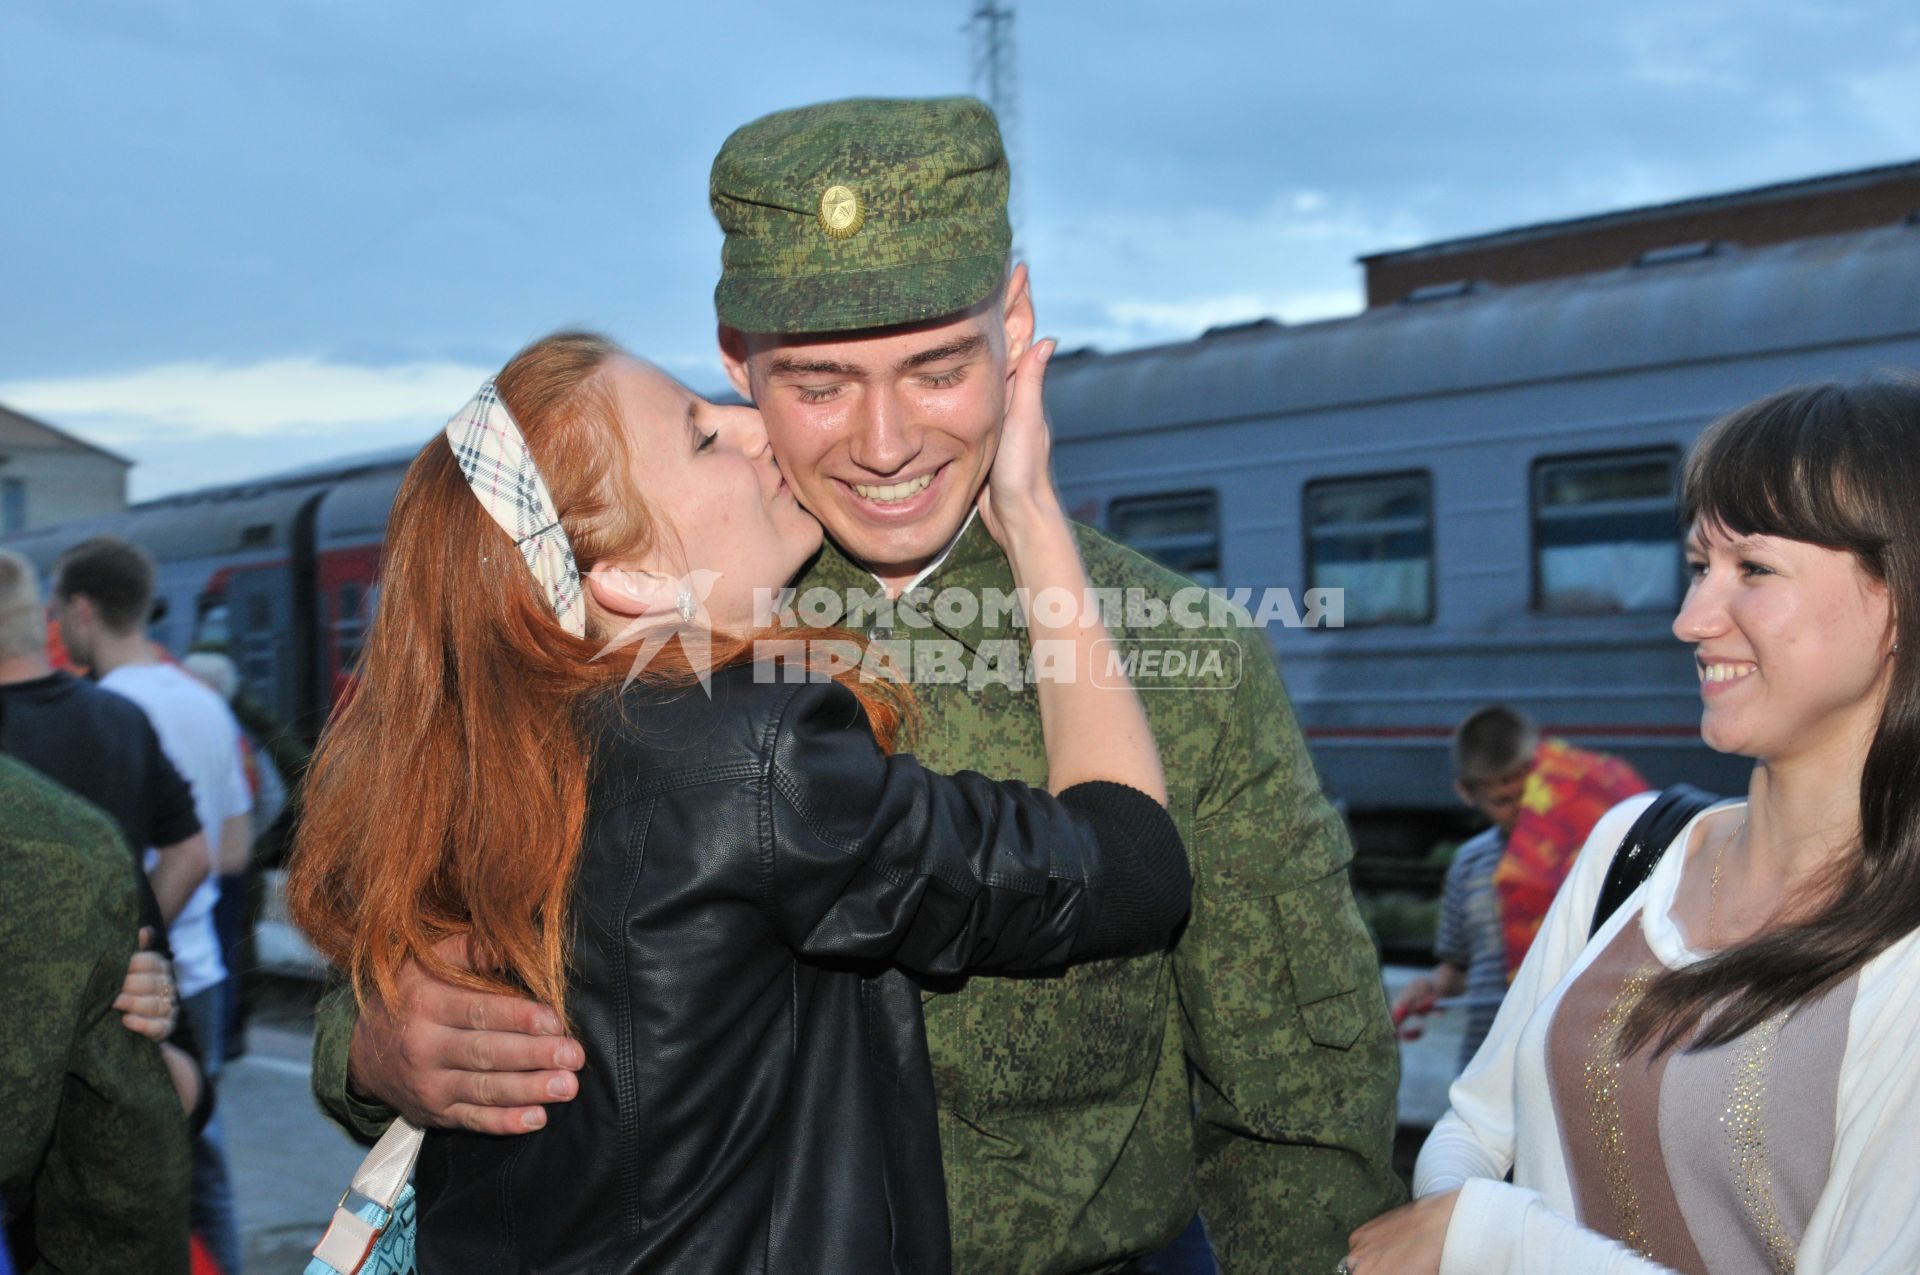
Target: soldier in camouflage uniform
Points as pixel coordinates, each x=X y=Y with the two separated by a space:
x=867 y=308
x=93 y=1144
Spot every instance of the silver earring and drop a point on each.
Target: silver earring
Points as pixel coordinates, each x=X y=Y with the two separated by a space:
x=684 y=604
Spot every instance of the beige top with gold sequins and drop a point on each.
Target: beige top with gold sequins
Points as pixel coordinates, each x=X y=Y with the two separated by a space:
x=1800 y=1143
x=1709 y=1162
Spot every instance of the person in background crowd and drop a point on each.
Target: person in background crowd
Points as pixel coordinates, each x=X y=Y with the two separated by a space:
x=280 y=743
x=1504 y=770
x=1545 y=795
x=97 y=745
x=869 y=307
x=216 y=671
x=241 y=892
x=102 y=591
x=93 y=1144
x=1720 y=1076
x=1470 y=955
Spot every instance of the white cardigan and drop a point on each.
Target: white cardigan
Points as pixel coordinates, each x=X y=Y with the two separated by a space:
x=1867 y=1220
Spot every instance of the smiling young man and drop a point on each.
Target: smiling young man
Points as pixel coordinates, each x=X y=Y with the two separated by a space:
x=866 y=306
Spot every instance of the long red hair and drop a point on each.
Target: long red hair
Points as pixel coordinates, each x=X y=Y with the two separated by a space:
x=448 y=795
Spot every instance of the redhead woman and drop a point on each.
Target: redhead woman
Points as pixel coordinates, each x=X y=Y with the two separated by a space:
x=1724 y=1078
x=726 y=888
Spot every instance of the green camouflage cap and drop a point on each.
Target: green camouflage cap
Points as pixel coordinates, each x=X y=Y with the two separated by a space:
x=859 y=214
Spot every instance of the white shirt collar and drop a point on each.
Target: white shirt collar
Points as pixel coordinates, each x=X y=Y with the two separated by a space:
x=934 y=566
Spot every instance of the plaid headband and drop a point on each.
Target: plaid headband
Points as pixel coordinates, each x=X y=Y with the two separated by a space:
x=493 y=455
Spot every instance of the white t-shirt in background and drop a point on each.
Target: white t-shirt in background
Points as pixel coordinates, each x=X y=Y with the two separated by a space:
x=201 y=738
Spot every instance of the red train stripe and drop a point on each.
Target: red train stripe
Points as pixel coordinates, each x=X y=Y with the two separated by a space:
x=1646 y=731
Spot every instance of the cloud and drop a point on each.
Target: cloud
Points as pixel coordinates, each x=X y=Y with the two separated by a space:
x=192 y=424
x=302 y=395
x=1888 y=100
x=1144 y=275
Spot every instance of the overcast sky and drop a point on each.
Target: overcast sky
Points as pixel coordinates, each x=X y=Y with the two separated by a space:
x=239 y=236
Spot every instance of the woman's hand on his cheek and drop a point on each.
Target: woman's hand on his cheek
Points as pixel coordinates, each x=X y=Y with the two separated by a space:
x=1020 y=483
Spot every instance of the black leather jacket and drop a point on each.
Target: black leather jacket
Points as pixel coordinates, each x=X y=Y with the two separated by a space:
x=757 y=1095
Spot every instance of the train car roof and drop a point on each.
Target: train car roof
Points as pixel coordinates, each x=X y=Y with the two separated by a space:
x=339 y=467
x=256 y=524
x=239 y=517
x=253 y=516
x=355 y=510
x=1726 y=301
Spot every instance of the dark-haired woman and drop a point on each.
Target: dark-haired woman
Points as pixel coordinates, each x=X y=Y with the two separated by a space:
x=722 y=882
x=1724 y=1079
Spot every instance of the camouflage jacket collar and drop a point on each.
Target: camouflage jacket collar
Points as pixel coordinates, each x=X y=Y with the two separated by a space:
x=974 y=565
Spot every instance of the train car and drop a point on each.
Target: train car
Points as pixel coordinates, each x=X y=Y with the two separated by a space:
x=1489 y=475
x=349 y=527
x=279 y=572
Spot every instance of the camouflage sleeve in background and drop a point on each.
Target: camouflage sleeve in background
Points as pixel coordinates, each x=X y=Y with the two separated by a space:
x=1283 y=1010
x=333 y=1024
x=93 y=1141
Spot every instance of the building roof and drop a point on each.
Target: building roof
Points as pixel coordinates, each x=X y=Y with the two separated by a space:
x=1826 y=184
x=18 y=429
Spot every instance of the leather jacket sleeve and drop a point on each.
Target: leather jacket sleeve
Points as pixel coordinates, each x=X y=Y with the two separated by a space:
x=876 y=857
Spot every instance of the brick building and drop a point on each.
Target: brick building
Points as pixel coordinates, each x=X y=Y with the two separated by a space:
x=1650 y=236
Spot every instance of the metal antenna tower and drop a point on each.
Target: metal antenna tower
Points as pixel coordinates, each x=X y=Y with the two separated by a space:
x=991 y=26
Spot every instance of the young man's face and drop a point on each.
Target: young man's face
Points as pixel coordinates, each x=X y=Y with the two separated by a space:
x=887 y=435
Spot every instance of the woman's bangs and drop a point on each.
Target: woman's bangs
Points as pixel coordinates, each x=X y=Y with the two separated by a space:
x=1779 y=468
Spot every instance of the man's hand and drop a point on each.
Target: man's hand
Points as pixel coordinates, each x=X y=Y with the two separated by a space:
x=453 y=1058
x=147 y=1003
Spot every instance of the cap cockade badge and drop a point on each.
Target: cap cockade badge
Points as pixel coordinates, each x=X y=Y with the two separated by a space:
x=841 y=213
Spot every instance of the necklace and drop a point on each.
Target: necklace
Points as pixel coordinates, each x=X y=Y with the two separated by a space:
x=1713 y=889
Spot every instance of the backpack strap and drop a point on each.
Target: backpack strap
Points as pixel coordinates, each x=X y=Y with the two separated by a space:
x=1644 y=845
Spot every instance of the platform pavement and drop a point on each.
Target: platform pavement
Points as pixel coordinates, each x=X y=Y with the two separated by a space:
x=289 y=1163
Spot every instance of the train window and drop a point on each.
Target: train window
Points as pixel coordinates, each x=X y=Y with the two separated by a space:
x=1604 y=538
x=13 y=504
x=259 y=613
x=214 y=627
x=1179 y=531
x=1373 y=538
